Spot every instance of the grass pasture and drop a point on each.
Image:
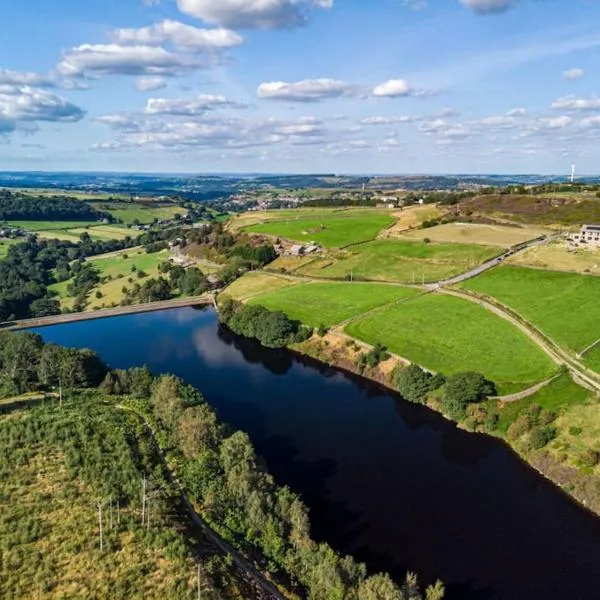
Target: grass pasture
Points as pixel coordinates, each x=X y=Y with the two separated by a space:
x=401 y=261
x=5 y=245
x=449 y=335
x=331 y=232
x=331 y=303
x=63 y=236
x=555 y=256
x=564 y=306
x=117 y=268
x=255 y=284
x=411 y=218
x=285 y=214
x=48 y=226
x=476 y=233
x=142 y=213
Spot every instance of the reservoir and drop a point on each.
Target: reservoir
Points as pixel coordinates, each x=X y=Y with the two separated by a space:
x=393 y=484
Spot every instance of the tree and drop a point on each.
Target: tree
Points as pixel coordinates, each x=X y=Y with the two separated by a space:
x=414 y=383
x=379 y=587
x=20 y=354
x=198 y=430
x=44 y=307
x=463 y=389
x=166 y=402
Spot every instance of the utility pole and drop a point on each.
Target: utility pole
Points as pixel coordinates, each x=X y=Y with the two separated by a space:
x=101 y=531
x=60 y=394
x=143 y=498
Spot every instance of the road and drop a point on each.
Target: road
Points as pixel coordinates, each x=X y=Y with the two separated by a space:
x=490 y=264
x=107 y=312
x=242 y=563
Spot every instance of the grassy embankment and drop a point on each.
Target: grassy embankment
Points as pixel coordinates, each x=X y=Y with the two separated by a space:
x=118 y=270
x=5 y=245
x=56 y=466
x=556 y=256
x=564 y=306
x=329 y=229
x=449 y=335
x=400 y=261
x=328 y=304
x=70 y=231
x=476 y=233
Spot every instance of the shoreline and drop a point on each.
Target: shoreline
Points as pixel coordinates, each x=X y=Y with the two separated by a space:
x=554 y=472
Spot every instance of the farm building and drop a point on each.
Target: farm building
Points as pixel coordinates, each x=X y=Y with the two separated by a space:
x=589 y=234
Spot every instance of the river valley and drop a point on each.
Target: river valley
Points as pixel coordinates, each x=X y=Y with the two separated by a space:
x=394 y=484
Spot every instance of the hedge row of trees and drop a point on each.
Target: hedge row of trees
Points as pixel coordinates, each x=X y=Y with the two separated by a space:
x=15 y=206
x=222 y=473
x=273 y=329
x=460 y=390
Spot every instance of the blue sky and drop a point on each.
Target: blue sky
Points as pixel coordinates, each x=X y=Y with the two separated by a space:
x=345 y=86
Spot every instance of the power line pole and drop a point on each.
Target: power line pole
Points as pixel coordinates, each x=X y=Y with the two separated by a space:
x=143 y=498
x=101 y=531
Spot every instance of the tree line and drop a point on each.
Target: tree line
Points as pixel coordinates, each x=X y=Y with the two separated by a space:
x=17 y=206
x=273 y=329
x=30 y=267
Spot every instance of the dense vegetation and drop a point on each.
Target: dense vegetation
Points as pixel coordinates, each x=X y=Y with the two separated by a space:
x=16 y=206
x=106 y=452
x=273 y=329
x=29 y=268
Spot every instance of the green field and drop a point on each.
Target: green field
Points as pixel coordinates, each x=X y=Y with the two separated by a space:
x=331 y=232
x=145 y=215
x=564 y=306
x=50 y=225
x=449 y=335
x=331 y=303
x=404 y=262
x=256 y=283
x=592 y=358
x=561 y=392
x=118 y=268
x=5 y=245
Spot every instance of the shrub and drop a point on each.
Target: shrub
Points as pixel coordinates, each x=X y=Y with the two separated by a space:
x=520 y=427
x=414 y=383
x=540 y=437
x=590 y=458
x=575 y=431
x=322 y=330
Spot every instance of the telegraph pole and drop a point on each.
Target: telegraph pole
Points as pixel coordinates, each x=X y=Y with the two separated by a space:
x=101 y=531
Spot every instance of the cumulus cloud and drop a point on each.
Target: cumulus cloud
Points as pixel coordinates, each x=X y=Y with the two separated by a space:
x=388 y=120
x=555 y=122
x=445 y=129
x=8 y=77
x=488 y=6
x=253 y=14
x=25 y=104
x=576 y=104
x=573 y=74
x=394 y=88
x=115 y=59
x=185 y=107
x=179 y=35
x=149 y=84
x=309 y=90
x=516 y=112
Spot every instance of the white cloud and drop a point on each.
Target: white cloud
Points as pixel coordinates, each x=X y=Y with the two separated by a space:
x=393 y=88
x=115 y=59
x=149 y=84
x=29 y=105
x=555 y=122
x=573 y=74
x=185 y=107
x=8 y=77
x=180 y=35
x=445 y=129
x=309 y=90
x=576 y=104
x=590 y=123
x=488 y=6
x=253 y=14
x=388 y=120
x=516 y=112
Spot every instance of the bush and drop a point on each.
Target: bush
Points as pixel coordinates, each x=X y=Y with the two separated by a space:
x=540 y=437
x=322 y=330
x=520 y=427
x=590 y=458
x=463 y=389
x=575 y=431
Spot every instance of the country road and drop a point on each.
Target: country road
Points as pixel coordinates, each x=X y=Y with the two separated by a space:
x=242 y=563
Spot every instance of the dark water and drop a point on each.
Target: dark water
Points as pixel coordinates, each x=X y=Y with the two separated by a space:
x=389 y=482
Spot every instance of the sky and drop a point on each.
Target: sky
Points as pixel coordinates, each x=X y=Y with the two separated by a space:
x=299 y=86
